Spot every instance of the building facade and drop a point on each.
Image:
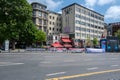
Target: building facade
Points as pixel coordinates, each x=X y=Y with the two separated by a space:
x=81 y=22
x=54 y=26
x=54 y=23
x=113 y=27
x=48 y=21
x=40 y=16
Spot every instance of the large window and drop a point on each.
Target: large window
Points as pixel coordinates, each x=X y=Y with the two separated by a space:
x=39 y=13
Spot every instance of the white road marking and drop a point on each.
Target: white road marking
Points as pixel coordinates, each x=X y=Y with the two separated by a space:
x=93 y=68
x=9 y=63
x=114 y=65
x=52 y=74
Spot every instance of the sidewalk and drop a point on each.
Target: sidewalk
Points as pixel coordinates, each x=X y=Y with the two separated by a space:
x=13 y=51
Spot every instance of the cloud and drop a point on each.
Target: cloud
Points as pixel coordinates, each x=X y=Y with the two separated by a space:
x=113 y=13
x=90 y=3
x=60 y=12
x=51 y=4
x=103 y=2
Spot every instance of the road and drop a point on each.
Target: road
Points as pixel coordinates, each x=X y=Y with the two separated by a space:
x=59 y=66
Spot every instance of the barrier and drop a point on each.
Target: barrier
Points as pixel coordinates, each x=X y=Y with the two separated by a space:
x=94 y=50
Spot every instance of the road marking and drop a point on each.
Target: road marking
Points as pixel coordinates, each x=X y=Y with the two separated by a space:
x=55 y=73
x=93 y=68
x=83 y=75
x=9 y=63
x=114 y=65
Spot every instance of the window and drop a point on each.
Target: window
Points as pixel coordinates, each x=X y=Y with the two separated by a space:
x=45 y=15
x=39 y=13
x=34 y=13
x=60 y=30
x=50 y=17
x=57 y=18
x=40 y=21
x=76 y=28
x=50 y=28
x=45 y=22
x=53 y=23
x=57 y=29
x=53 y=17
x=50 y=22
x=53 y=29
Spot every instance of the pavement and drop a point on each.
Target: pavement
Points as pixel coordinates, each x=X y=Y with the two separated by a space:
x=59 y=66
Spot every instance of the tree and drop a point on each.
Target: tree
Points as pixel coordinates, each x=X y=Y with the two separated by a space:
x=95 y=42
x=14 y=19
x=29 y=33
x=88 y=42
x=117 y=34
x=40 y=36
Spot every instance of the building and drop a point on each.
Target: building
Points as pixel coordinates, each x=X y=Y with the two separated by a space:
x=113 y=27
x=54 y=27
x=81 y=22
x=105 y=31
x=40 y=16
x=54 y=23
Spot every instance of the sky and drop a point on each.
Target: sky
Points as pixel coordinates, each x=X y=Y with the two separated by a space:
x=109 y=8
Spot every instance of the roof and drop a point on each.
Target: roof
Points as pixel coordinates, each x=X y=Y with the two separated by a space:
x=54 y=12
x=82 y=7
x=39 y=4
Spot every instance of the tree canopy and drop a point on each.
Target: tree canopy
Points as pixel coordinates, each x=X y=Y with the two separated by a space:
x=16 y=21
x=95 y=42
x=88 y=42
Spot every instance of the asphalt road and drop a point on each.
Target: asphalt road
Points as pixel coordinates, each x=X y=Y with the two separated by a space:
x=59 y=66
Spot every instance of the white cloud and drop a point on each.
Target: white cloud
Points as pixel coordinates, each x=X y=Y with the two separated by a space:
x=90 y=3
x=51 y=4
x=113 y=13
x=103 y=2
x=60 y=12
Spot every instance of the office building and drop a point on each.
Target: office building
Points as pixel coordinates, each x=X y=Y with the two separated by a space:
x=81 y=22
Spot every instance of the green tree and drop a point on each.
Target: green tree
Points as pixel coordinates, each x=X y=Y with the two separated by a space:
x=14 y=19
x=40 y=36
x=95 y=42
x=29 y=33
x=117 y=34
x=88 y=42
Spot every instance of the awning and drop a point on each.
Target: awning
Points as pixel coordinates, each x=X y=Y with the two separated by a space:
x=66 y=40
x=56 y=44
x=67 y=45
